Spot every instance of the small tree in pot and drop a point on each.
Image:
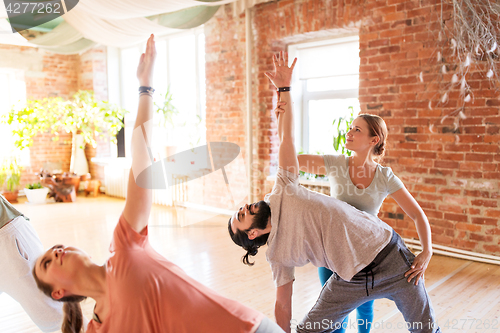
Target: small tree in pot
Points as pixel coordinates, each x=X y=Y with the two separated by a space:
x=81 y=115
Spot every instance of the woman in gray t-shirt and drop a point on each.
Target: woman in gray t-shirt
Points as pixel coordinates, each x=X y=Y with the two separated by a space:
x=363 y=183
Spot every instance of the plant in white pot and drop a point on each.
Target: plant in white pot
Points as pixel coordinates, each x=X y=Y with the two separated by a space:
x=36 y=193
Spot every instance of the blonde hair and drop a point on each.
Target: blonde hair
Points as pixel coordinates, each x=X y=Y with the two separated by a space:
x=377 y=128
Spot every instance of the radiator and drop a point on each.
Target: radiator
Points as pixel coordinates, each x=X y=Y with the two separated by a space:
x=116 y=180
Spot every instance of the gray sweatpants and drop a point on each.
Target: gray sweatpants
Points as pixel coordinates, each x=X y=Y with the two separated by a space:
x=383 y=278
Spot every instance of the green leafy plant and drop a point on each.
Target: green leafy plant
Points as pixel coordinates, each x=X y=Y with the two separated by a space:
x=343 y=126
x=34 y=186
x=82 y=114
x=174 y=120
x=167 y=109
x=12 y=173
x=3 y=176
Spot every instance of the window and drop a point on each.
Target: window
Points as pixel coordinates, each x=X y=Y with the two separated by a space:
x=12 y=94
x=180 y=69
x=327 y=81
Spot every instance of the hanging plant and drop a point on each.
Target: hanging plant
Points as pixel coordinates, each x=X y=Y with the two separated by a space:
x=472 y=36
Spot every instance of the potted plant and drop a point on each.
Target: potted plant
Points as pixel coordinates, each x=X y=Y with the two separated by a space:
x=168 y=113
x=36 y=193
x=82 y=115
x=12 y=175
x=343 y=126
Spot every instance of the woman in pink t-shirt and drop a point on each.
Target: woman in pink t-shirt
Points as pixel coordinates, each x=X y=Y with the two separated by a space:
x=138 y=290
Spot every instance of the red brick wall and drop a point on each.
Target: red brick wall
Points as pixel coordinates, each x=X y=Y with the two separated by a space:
x=47 y=75
x=454 y=175
x=93 y=76
x=226 y=99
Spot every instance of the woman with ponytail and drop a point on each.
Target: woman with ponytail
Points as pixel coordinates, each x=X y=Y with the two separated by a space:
x=363 y=183
x=138 y=290
x=73 y=316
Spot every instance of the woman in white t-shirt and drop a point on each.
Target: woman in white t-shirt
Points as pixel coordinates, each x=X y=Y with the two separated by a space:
x=362 y=182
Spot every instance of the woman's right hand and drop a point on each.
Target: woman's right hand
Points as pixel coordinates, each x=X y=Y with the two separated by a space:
x=278 y=109
x=146 y=64
x=282 y=76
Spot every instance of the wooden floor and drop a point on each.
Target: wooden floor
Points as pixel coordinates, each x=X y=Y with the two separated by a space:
x=465 y=294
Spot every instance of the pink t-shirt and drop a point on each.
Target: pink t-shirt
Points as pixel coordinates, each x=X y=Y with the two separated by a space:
x=148 y=293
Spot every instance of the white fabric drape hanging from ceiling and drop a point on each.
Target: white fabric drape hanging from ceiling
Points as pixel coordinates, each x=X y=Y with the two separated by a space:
x=119 y=23
x=124 y=9
x=63 y=34
x=118 y=33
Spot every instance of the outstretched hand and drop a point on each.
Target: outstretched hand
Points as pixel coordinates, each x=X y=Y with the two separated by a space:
x=146 y=63
x=282 y=76
x=418 y=267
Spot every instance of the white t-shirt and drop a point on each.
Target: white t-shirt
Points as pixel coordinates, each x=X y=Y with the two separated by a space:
x=311 y=227
x=369 y=199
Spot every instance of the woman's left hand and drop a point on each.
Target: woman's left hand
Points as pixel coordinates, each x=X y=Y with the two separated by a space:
x=419 y=266
x=282 y=76
x=146 y=64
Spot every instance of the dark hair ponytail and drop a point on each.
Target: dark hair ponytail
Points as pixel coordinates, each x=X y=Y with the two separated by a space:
x=378 y=128
x=252 y=245
x=73 y=316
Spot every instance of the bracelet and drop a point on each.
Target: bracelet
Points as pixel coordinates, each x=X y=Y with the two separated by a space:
x=146 y=93
x=283 y=89
x=144 y=89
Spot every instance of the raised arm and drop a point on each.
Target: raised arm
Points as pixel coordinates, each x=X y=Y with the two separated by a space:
x=139 y=198
x=282 y=77
x=312 y=164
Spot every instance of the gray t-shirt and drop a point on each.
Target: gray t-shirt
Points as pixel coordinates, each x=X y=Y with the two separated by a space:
x=311 y=227
x=369 y=199
x=7 y=211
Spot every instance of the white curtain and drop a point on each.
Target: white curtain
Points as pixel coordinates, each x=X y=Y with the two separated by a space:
x=63 y=34
x=118 y=33
x=119 y=23
x=126 y=9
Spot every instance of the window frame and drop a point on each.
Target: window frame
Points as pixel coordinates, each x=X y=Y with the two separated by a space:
x=119 y=85
x=302 y=97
